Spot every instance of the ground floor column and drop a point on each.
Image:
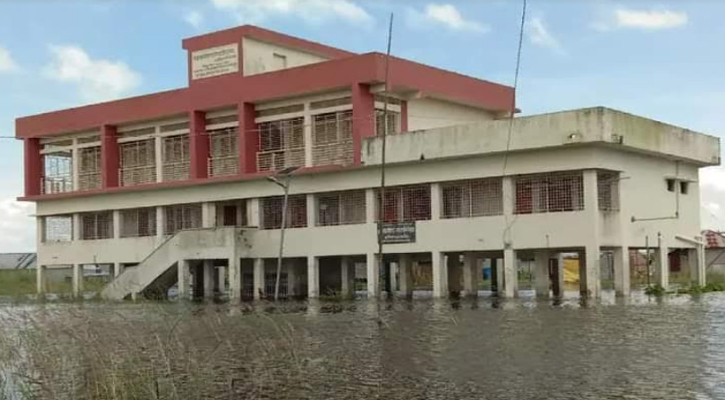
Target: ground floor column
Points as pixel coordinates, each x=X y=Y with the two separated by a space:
x=440 y=274
x=405 y=267
x=77 y=279
x=347 y=277
x=510 y=278
x=590 y=281
x=41 y=279
x=222 y=279
x=622 y=284
x=235 y=278
x=541 y=273
x=470 y=287
x=292 y=278
x=557 y=283
x=208 y=278
x=454 y=269
x=259 y=278
x=373 y=268
x=184 y=279
x=662 y=267
x=393 y=274
x=117 y=270
x=313 y=277
x=696 y=263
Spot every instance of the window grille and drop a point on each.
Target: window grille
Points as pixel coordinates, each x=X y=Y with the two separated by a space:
x=138 y=222
x=180 y=217
x=96 y=225
x=554 y=192
x=224 y=152
x=341 y=208
x=58 y=228
x=281 y=144
x=393 y=122
x=271 y=212
x=472 y=198
x=175 y=158
x=332 y=138
x=138 y=162
x=405 y=203
x=270 y=280
x=608 y=191
x=231 y=213
x=89 y=168
x=58 y=172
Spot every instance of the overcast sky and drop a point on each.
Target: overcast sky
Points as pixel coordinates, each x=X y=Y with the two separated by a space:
x=660 y=59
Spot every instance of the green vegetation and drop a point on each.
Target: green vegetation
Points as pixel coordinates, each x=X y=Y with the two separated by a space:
x=710 y=287
x=22 y=282
x=655 y=290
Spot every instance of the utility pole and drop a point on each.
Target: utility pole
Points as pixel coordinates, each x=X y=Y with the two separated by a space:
x=283 y=180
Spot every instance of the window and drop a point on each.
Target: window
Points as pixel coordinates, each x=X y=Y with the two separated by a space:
x=271 y=212
x=684 y=186
x=138 y=162
x=670 y=185
x=405 y=203
x=89 y=168
x=96 y=225
x=180 y=217
x=281 y=144
x=554 y=192
x=224 y=153
x=138 y=222
x=58 y=228
x=175 y=158
x=231 y=213
x=608 y=191
x=332 y=138
x=393 y=122
x=341 y=208
x=57 y=172
x=473 y=198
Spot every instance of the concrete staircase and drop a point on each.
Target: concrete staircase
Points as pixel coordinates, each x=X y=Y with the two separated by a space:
x=158 y=272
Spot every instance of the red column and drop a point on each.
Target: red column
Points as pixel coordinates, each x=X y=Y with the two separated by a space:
x=403 y=116
x=109 y=157
x=363 y=118
x=248 y=139
x=198 y=146
x=33 y=167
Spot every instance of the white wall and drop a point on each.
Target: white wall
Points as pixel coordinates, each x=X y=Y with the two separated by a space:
x=258 y=57
x=430 y=113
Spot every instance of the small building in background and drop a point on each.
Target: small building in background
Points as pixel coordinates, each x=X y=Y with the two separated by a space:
x=714 y=252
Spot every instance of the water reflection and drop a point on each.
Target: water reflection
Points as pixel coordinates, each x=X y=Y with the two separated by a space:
x=400 y=349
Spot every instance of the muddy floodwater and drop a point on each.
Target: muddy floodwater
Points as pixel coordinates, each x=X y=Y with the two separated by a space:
x=396 y=349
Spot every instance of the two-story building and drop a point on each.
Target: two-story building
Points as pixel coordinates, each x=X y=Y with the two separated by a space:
x=173 y=185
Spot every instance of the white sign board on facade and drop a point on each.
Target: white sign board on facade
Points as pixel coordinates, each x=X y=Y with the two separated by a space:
x=215 y=61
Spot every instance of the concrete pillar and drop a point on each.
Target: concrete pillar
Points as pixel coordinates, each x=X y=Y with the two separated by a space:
x=347 y=274
x=253 y=212
x=116 y=224
x=184 y=279
x=109 y=157
x=77 y=280
x=308 y=136
x=435 y=201
x=75 y=166
x=235 y=278
x=662 y=266
x=510 y=278
x=592 y=282
x=77 y=222
x=160 y=221
x=470 y=275
x=558 y=284
x=159 y=155
x=41 y=279
x=208 y=278
x=311 y=211
x=405 y=268
x=371 y=206
x=313 y=277
x=455 y=272
x=292 y=278
x=259 y=278
x=621 y=271
x=222 y=279
x=33 y=167
x=541 y=273
x=117 y=270
x=440 y=274
x=697 y=267
x=208 y=215
x=373 y=269
x=393 y=277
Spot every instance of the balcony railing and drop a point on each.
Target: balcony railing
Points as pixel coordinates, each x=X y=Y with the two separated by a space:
x=333 y=153
x=56 y=185
x=132 y=176
x=276 y=160
x=223 y=166
x=178 y=171
x=89 y=180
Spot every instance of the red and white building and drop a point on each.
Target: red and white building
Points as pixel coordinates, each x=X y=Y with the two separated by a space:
x=171 y=187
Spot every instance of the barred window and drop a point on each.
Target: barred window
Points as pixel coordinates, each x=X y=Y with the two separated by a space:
x=138 y=162
x=224 y=152
x=554 y=192
x=175 y=158
x=405 y=203
x=96 y=225
x=341 y=208
x=231 y=213
x=393 y=122
x=608 y=190
x=57 y=172
x=89 y=168
x=472 y=198
x=271 y=212
x=281 y=144
x=332 y=138
x=180 y=217
x=58 y=228
x=138 y=222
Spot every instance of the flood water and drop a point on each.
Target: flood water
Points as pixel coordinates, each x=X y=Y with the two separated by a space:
x=397 y=349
